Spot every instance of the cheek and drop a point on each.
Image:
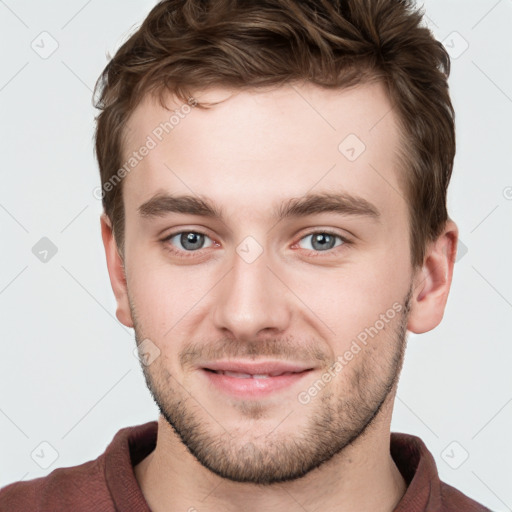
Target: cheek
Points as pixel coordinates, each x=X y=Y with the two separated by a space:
x=352 y=298
x=166 y=297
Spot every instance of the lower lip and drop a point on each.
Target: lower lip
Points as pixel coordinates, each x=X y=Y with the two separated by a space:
x=246 y=388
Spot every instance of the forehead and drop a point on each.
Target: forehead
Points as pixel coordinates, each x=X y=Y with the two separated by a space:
x=255 y=148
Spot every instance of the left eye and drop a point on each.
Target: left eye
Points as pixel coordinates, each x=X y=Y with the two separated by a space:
x=321 y=241
x=190 y=240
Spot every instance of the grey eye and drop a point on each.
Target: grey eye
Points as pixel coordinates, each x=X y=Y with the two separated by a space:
x=321 y=241
x=189 y=240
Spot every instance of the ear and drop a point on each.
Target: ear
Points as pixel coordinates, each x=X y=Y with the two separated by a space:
x=116 y=272
x=432 y=282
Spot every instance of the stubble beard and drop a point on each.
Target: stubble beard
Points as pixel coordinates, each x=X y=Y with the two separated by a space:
x=333 y=420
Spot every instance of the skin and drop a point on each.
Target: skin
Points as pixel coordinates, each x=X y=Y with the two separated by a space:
x=295 y=302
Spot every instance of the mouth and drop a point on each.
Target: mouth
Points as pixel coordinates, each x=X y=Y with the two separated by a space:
x=253 y=380
x=240 y=375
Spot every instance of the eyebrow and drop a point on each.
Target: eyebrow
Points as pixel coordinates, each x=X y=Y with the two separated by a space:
x=341 y=203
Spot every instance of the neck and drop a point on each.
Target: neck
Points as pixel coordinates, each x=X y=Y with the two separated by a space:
x=360 y=478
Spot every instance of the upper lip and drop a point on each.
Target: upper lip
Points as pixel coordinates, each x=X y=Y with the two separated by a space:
x=256 y=368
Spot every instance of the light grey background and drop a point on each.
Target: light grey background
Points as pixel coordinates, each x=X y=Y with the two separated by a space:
x=68 y=374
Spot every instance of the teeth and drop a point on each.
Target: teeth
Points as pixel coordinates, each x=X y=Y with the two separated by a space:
x=249 y=376
x=236 y=374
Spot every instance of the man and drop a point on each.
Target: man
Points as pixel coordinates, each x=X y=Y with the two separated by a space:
x=274 y=180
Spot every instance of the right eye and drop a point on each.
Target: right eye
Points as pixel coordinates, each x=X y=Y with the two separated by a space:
x=190 y=241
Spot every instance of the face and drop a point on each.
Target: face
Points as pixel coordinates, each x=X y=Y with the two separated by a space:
x=287 y=267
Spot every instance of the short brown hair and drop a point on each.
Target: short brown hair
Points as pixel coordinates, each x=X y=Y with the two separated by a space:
x=187 y=45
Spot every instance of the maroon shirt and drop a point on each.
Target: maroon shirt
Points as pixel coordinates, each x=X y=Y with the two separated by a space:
x=108 y=483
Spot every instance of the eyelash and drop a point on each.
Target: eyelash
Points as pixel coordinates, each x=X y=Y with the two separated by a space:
x=192 y=254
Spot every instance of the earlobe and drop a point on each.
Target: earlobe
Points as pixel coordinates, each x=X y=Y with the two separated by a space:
x=116 y=272
x=432 y=282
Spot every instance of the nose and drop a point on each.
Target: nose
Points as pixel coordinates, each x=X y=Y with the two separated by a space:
x=252 y=299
